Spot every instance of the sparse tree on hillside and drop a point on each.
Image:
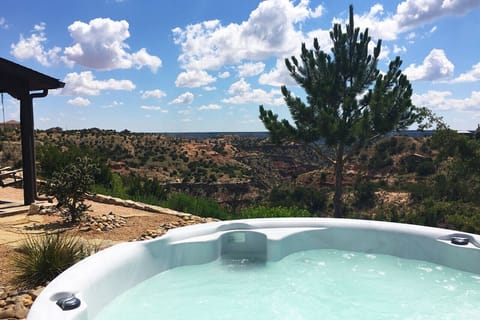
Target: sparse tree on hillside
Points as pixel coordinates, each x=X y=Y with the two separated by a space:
x=349 y=102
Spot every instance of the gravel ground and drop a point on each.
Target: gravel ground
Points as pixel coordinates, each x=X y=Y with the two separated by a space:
x=13 y=228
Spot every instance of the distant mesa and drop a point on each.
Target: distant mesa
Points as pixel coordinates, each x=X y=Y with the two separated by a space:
x=54 y=129
x=11 y=124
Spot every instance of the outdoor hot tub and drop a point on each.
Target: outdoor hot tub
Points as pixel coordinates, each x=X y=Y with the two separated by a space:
x=284 y=268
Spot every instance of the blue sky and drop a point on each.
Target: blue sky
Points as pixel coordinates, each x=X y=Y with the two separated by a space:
x=206 y=65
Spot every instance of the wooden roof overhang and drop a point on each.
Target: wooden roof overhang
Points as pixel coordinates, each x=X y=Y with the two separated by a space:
x=15 y=78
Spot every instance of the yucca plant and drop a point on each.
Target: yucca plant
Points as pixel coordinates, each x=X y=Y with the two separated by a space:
x=39 y=259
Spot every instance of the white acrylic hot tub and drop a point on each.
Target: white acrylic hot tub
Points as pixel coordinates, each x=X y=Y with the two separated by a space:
x=95 y=281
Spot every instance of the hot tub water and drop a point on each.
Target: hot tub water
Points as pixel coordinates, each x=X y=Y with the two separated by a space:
x=314 y=284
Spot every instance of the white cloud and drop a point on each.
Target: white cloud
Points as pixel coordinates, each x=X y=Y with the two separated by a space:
x=323 y=38
x=153 y=108
x=441 y=100
x=185 y=111
x=157 y=93
x=32 y=47
x=386 y=29
x=100 y=44
x=143 y=58
x=3 y=23
x=317 y=12
x=435 y=66
x=224 y=75
x=397 y=49
x=469 y=76
x=209 y=88
x=239 y=87
x=411 y=14
x=210 y=107
x=184 y=98
x=278 y=76
x=194 y=79
x=114 y=104
x=79 y=101
x=242 y=93
x=84 y=83
x=269 y=31
x=250 y=69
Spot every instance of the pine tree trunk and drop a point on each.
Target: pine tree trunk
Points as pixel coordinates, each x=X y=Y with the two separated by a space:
x=337 y=199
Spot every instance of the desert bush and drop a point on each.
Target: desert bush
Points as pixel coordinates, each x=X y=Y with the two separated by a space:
x=418 y=191
x=455 y=215
x=275 y=212
x=144 y=189
x=386 y=145
x=53 y=159
x=379 y=161
x=310 y=199
x=199 y=206
x=425 y=168
x=430 y=213
x=364 y=194
x=39 y=259
x=70 y=185
x=467 y=220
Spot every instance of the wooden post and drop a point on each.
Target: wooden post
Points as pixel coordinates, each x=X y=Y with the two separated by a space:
x=28 y=148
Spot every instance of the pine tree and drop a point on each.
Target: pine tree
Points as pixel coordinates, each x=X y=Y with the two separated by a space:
x=348 y=101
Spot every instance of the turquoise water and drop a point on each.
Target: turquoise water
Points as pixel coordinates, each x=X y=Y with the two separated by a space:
x=317 y=284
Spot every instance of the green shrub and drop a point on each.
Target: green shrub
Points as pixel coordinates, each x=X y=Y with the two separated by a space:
x=431 y=213
x=144 y=189
x=52 y=158
x=202 y=207
x=115 y=189
x=380 y=161
x=364 y=193
x=419 y=191
x=40 y=259
x=464 y=222
x=266 y=212
x=425 y=168
x=306 y=198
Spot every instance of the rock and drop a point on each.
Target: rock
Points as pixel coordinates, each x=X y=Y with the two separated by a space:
x=12 y=292
x=8 y=313
x=103 y=223
x=26 y=300
x=34 y=209
x=108 y=200
x=48 y=209
x=20 y=310
x=11 y=298
x=36 y=292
